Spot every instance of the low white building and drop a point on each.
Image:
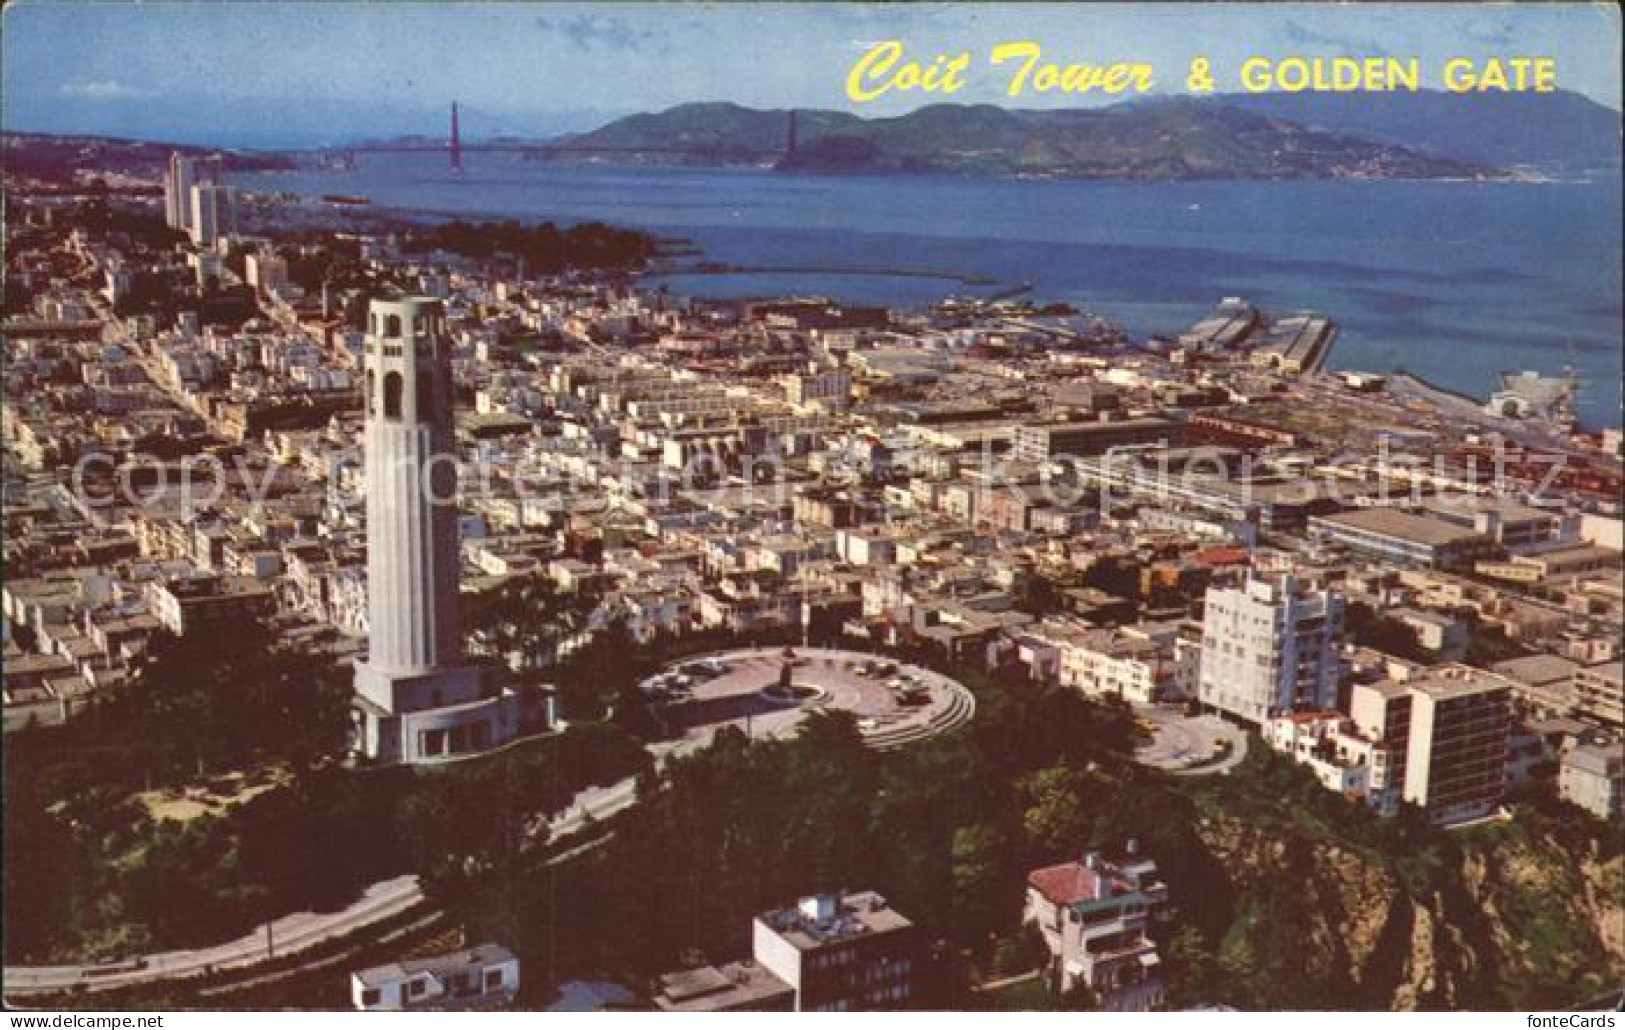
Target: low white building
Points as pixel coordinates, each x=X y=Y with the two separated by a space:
x=1328 y=744
x=1592 y=776
x=1143 y=665
x=483 y=976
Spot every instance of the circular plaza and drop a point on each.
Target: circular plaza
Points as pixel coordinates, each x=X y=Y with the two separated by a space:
x=767 y=691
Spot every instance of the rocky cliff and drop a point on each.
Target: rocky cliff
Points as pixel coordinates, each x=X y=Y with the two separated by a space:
x=1526 y=914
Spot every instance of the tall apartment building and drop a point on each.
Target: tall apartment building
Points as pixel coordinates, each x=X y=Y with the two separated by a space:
x=1448 y=731
x=181 y=175
x=1456 y=762
x=1269 y=647
x=213 y=213
x=1093 y=915
x=841 y=952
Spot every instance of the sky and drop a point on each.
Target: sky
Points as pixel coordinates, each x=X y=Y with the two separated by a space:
x=286 y=74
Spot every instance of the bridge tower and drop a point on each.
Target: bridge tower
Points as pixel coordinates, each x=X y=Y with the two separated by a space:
x=792 y=135
x=456 y=142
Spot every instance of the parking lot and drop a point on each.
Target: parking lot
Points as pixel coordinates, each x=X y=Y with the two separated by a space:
x=1190 y=745
x=894 y=703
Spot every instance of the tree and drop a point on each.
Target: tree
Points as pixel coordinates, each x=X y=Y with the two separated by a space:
x=1115 y=576
x=598 y=671
x=980 y=903
x=1054 y=818
x=208 y=702
x=44 y=870
x=1194 y=974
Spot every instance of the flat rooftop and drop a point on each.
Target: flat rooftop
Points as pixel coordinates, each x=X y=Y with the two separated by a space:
x=1402 y=525
x=1456 y=681
x=852 y=915
x=716 y=988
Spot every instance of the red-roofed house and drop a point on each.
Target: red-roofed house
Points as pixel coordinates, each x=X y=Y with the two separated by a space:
x=1219 y=556
x=1093 y=915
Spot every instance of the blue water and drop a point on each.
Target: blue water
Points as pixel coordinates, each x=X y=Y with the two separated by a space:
x=1453 y=281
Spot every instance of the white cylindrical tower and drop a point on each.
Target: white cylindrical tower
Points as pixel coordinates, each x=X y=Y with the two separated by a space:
x=411 y=472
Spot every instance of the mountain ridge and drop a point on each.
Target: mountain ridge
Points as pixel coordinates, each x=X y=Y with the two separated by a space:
x=1562 y=132
x=1173 y=138
x=1426 y=135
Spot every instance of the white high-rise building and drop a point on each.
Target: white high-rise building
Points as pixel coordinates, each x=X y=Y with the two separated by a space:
x=417 y=699
x=182 y=174
x=265 y=271
x=214 y=213
x=1269 y=647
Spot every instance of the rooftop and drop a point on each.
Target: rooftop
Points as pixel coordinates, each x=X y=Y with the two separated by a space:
x=1094 y=882
x=1404 y=525
x=1536 y=668
x=468 y=958
x=827 y=919
x=1597 y=759
x=1453 y=681
x=713 y=988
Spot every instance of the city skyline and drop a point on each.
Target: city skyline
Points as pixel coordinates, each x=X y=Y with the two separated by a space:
x=545 y=69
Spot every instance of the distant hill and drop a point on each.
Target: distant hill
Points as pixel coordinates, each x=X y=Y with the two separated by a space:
x=1422 y=135
x=1164 y=139
x=58 y=159
x=1562 y=132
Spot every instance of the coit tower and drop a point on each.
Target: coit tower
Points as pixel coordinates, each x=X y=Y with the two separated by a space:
x=417 y=700
x=411 y=465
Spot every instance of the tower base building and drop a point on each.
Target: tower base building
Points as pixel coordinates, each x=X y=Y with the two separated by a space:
x=433 y=716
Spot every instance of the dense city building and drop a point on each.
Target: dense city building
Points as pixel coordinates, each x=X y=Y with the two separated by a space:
x=1269 y=647
x=1592 y=777
x=1456 y=757
x=451 y=478
x=842 y=952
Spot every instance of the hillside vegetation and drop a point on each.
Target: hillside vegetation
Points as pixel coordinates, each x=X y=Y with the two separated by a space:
x=1165 y=139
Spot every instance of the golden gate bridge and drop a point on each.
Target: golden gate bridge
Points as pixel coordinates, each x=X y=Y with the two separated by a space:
x=455 y=149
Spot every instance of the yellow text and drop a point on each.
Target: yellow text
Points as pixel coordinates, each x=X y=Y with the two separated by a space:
x=1049 y=77
x=878 y=72
x=1330 y=75
x=1501 y=75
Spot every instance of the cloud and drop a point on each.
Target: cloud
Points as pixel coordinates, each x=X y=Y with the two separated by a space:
x=1497 y=32
x=104 y=89
x=1350 y=46
x=603 y=32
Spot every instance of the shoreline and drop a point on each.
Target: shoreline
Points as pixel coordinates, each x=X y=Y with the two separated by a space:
x=302 y=209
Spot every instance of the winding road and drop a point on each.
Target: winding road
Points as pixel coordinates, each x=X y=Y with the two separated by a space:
x=287 y=935
x=380 y=902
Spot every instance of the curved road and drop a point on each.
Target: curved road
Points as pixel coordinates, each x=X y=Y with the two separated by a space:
x=303 y=930
x=287 y=935
x=381 y=901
